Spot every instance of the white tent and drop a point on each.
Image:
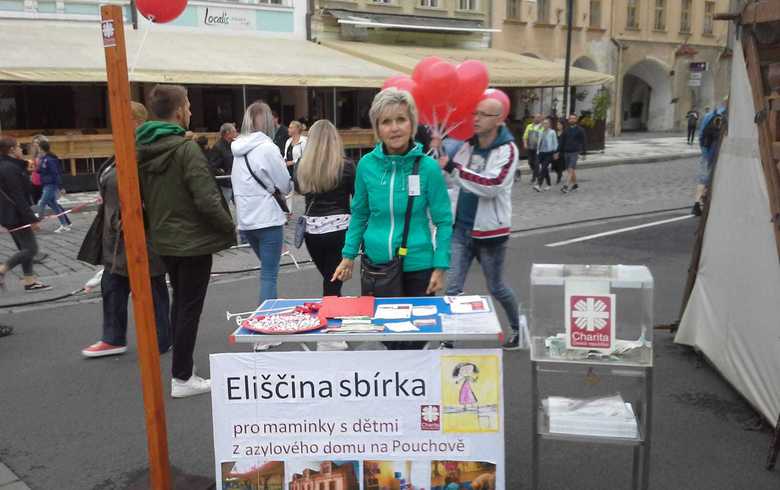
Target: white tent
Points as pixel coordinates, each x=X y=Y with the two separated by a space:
x=733 y=314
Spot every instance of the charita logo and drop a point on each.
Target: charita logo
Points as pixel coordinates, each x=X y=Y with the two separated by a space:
x=220 y=19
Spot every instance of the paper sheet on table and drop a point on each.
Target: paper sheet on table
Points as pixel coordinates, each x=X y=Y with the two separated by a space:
x=401 y=327
x=393 y=312
x=472 y=323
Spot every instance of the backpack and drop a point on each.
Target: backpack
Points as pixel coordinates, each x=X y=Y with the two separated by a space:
x=711 y=132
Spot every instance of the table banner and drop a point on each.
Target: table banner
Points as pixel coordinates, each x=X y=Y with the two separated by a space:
x=359 y=420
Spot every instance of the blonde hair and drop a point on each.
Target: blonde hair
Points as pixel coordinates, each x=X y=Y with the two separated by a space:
x=298 y=125
x=138 y=111
x=320 y=168
x=250 y=124
x=388 y=98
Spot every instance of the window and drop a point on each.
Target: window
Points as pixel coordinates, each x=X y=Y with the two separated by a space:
x=384 y=1
x=660 y=15
x=468 y=4
x=429 y=3
x=709 y=14
x=595 y=14
x=632 y=14
x=513 y=9
x=543 y=11
x=685 y=16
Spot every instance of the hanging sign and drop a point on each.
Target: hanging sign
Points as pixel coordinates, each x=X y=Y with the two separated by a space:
x=350 y=420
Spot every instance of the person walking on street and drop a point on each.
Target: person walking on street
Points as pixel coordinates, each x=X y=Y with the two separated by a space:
x=385 y=183
x=187 y=221
x=114 y=282
x=16 y=215
x=548 y=146
x=531 y=142
x=693 y=122
x=482 y=173
x=295 y=145
x=260 y=182
x=51 y=179
x=558 y=165
x=573 y=144
x=221 y=159
x=32 y=166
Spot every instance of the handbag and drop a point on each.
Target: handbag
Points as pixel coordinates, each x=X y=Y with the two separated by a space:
x=300 y=227
x=276 y=194
x=91 y=250
x=386 y=280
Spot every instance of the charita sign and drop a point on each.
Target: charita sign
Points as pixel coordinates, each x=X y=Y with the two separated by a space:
x=225 y=18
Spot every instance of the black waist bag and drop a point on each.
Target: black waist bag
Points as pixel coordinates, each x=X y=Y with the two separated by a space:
x=386 y=280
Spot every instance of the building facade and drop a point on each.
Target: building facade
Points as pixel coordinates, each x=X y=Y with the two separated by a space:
x=667 y=56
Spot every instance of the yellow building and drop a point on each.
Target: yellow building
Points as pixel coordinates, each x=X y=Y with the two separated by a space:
x=667 y=56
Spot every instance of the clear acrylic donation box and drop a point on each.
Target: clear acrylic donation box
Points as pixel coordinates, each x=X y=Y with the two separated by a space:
x=591 y=339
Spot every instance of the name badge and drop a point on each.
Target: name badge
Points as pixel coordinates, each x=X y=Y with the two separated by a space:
x=414 y=185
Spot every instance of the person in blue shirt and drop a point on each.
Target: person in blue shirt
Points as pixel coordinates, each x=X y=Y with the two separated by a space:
x=49 y=170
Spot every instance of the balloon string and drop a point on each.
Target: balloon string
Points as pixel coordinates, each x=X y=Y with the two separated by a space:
x=137 y=56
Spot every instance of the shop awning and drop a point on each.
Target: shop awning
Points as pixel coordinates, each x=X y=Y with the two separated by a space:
x=405 y=21
x=506 y=69
x=36 y=51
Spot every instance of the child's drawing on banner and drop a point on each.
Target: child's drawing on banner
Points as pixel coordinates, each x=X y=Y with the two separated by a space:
x=470 y=392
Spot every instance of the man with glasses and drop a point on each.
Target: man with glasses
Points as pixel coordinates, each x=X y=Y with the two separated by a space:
x=482 y=171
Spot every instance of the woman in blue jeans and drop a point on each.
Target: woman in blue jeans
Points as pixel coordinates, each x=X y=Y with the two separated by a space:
x=49 y=170
x=259 y=170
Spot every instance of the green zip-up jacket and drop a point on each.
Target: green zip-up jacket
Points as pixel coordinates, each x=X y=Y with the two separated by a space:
x=379 y=207
x=185 y=212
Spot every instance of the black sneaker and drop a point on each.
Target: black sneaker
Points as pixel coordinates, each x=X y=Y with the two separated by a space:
x=565 y=189
x=36 y=287
x=696 y=210
x=575 y=187
x=512 y=343
x=447 y=345
x=5 y=330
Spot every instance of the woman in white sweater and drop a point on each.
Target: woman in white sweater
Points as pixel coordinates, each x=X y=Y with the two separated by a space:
x=258 y=171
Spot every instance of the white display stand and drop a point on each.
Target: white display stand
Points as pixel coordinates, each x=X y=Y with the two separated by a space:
x=594 y=323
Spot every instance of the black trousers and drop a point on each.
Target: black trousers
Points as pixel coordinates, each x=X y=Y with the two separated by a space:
x=325 y=251
x=415 y=285
x=189 y=282
x=533 y=164
x=691 y=134
x=28 y=247
x=545 y=159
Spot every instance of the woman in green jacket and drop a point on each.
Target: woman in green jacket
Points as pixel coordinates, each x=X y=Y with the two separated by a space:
x=382 y=188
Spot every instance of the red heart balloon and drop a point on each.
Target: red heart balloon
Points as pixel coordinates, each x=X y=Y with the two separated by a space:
x=439 y=83
x=422 y=66
x=494 y=93
x=161 y=11
x=473 y=79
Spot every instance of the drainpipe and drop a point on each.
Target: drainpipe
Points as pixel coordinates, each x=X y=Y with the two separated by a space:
x=617 y=109
x=309 y=15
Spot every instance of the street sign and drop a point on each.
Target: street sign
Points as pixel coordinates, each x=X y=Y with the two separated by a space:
x=697 y=66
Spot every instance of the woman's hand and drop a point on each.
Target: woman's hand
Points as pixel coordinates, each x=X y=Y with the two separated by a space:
x=343 y=271
x=437 y=282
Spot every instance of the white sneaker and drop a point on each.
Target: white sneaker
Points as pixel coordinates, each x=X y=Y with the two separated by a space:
x=332 y=345
x=193 y=386
x=537 y=188
x=62 y=228
x=261 y=346
x=546 y=188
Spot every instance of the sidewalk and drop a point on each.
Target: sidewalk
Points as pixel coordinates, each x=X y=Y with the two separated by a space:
x=609 y=188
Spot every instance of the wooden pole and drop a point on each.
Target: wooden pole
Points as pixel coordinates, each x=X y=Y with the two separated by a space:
x=113 y=32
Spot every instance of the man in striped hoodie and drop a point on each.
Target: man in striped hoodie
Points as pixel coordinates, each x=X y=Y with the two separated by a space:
x=482 y=172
